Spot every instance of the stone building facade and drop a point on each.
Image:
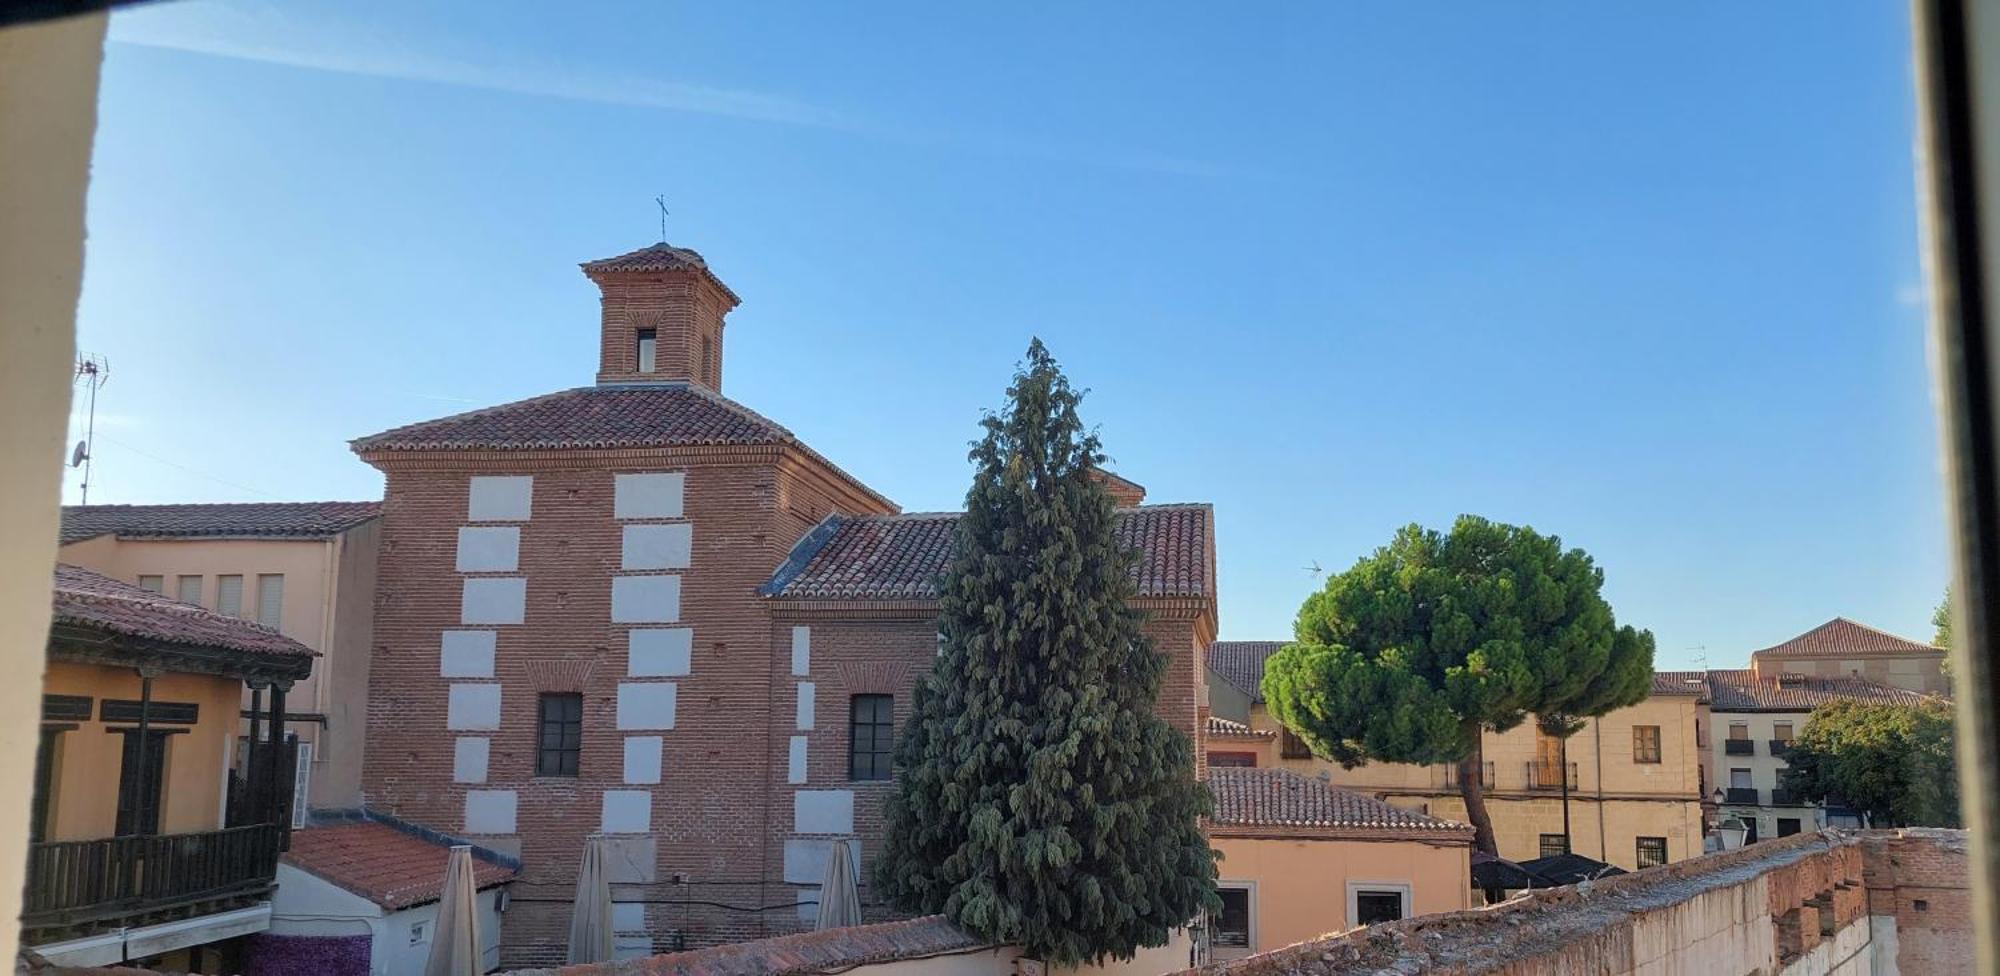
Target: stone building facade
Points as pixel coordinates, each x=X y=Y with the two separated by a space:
x=642 y=609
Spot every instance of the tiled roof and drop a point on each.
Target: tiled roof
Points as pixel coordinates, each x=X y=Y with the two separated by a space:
x=92 y=600
x=830 y=951
x=900 y=557
x=610 y=416
x=658 y=257
x=1740 y=690
x=390 y=867
x=278 y=520
x=1843 y=636
x=1250 y=797
x=1680 y=683
x=1225 y=729
x=1241 y=663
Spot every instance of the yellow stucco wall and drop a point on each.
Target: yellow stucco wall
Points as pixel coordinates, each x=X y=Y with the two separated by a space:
x=328 y=604
x=1300 y=886
x=1616 y=799
x=84 y=800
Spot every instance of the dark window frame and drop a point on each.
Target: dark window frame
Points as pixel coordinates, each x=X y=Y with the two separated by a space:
x=871 y=738
x=1290 y=746
x=640 y=337
x=1232 y=759
x=1226 y=932
x=558 y=734
x=1642 y=846
x=1557 y=849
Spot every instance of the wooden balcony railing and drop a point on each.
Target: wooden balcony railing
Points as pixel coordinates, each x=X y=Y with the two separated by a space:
x=77 y=881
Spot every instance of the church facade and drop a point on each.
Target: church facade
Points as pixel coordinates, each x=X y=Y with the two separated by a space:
x=642 y=609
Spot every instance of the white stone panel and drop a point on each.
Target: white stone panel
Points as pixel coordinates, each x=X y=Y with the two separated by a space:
x=805 y=858
x=646 y=704
x=508 y=498
x=649 y=496
x=823 y=812
x=645 y=599
x=628 y=812
x=795 y=765
x=801 y=651
x=657 y=546
x=642 y=759
x=808 y=904
x=489 y=548
x=660 y=652
x=498 y=600
x=632 y=860
x=467 y=654
x=473 y=707
x=489 y=811
x=805 y=716
x=635 y=946
x=468 y=759
x=628 y=916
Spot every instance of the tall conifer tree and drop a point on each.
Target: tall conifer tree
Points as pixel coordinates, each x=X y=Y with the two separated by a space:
x=1040 y=800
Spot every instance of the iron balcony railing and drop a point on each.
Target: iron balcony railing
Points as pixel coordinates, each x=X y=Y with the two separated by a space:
x=77 y=881
x=1451 y=777
x=1784 y=798
x=1739 y=747
x=1550 y=775
x=1778 y=747
x=1744 y=795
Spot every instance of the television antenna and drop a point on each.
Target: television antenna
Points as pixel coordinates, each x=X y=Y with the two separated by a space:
x=92 y=371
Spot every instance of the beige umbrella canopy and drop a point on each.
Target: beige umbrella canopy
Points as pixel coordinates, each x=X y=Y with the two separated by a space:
x=839 y=896
x=590 y=926
x=455 y=945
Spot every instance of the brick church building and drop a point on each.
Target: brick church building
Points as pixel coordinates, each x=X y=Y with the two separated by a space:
x=641 y=608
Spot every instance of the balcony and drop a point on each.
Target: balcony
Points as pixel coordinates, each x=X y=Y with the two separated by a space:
x=1786 y=798
x=1551 y=776
x=1451 y=778
x=1742 y=796
x=1739 y=747
x=1779 y=747
x=78 y=882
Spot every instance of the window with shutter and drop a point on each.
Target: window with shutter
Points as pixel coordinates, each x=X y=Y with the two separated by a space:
x=188 y=590
x=271 y=599
x=229 y=595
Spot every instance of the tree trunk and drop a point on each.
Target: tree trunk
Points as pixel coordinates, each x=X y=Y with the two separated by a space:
x=1472 y=789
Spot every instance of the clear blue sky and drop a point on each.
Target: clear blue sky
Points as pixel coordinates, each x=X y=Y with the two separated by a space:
x=1645 y=278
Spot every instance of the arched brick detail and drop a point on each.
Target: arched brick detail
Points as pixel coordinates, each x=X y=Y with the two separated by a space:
x=563 y=675
x=874 y=678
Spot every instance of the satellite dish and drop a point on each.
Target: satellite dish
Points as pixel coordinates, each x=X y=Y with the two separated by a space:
x=80 y=455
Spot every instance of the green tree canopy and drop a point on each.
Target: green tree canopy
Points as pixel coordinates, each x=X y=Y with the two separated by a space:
x=1941 y=620
x=1891 y=761
x=1040 y=800
x=1414 y=651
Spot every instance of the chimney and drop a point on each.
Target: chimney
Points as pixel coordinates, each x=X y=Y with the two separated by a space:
x=1124 y=494
x=663 y=312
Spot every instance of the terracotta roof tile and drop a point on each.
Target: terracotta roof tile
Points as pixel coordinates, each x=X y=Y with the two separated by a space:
x=1222 y=728
x=1248 y=797
x=87 y=599
x=831 y=951
x=1741 y=690
x=610 y=416
x=655 y=258
x=1241 y=663
x=900 y=557
x=1680 y=683
x=278 y=520
x=390 y=867
x=1843 y=636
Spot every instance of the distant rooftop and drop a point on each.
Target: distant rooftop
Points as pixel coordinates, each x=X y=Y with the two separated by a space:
x=901 y=557
x=1280 y=798
x=100 y=603
x=391 y=867
x=1241 y=664
x=1740 y=690
x=1841 y=636
x=272 y=520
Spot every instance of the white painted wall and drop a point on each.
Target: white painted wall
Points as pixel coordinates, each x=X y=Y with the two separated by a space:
x=308 y=905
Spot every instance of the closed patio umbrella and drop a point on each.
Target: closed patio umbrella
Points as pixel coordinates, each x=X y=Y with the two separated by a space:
x=455 y=944
x=590 y=926
x=839 y=896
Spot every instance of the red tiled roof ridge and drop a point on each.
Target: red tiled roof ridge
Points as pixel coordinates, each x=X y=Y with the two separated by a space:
x=658 y=256
x=1807 y=643
x=1252 y=797
x=288 y=519
x=390 y=866
x=137 y=612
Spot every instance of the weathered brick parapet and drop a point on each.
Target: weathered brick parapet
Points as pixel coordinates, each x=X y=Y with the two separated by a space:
x=1813 y=903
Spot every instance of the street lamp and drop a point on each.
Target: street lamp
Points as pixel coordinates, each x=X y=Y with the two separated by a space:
x=1732 y=831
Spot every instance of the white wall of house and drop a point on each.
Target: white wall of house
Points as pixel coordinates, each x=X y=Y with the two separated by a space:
x=307 y=904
